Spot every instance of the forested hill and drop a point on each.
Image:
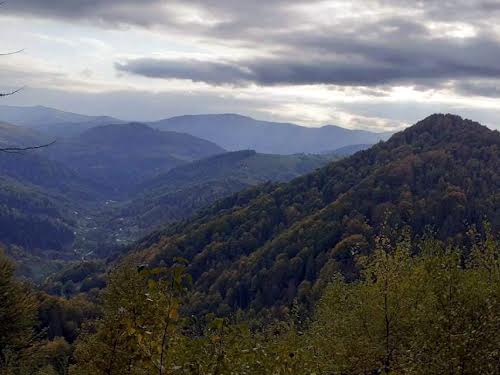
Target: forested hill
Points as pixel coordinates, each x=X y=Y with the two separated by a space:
x=121 y=156
x=263 y=247
x=182 y=191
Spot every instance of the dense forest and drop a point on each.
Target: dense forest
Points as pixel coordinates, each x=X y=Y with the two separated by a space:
x=261 y=248
x=384 y=262
x=183 y=190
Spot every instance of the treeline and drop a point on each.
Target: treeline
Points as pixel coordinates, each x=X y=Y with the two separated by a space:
x=431 y=311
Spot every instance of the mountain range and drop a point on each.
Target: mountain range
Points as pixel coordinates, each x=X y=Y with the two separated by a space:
x=244 y=220
x=236 y=132
x=230 y=131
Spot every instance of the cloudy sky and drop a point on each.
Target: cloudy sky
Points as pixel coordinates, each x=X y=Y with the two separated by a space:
x=371 y=64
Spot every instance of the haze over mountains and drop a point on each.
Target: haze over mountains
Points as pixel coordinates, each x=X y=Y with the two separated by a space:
x=52 y=122
x=11 y=135
x=235 y=132
x=249 y=187
x=230 y=131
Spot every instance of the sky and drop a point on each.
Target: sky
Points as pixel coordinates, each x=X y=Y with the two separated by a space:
x=378 y=65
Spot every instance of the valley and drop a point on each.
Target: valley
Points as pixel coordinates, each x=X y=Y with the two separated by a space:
x=100 y=189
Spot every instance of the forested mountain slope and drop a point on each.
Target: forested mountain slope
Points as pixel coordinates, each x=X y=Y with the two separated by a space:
x=32 y=218
x=38 y=196
x=263 y=247
x=179 y=193
x=121 y=156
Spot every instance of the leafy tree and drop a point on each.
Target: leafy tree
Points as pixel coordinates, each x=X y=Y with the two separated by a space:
x=139 y=330
x=429 y=314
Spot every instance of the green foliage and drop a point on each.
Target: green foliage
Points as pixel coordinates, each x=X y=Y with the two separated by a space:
x=140 y=329
x=23 y=348
x=427 y=314
x=60 y=317
x=434 y=312
x=76 y=277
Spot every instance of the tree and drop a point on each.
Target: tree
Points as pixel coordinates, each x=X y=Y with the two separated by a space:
x=18 y=309
x=139 y=332
x=433 y=313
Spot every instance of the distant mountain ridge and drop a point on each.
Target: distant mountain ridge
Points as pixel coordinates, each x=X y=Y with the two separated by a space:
x=235 y=132
x=232 y=132
x=52 y=121
x=349 y=150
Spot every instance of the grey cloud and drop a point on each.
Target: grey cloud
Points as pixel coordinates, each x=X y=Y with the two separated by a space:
x=109 y=13
x=215 y=73
x=147 y=13
x=342 y=61
x=236 y=17
x=490 y=88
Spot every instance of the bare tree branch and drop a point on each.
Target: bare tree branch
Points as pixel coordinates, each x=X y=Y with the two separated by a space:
x=11 y=53
x=8 y=54
x=2 y=94
x=17 y=150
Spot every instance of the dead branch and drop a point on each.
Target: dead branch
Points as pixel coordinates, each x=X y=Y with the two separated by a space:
x=17 y=150
x=2 y=94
